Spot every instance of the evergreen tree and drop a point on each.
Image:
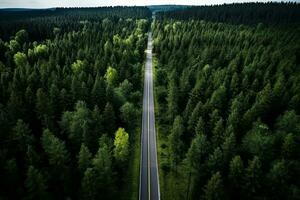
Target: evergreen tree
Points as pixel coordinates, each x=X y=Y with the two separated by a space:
x=172 y=97
x=36 y=184
x=175 y=142
x=84 y=158
x=109 y=119
x=236 y=174
x=253 y=176
x=89 y=185
x=55 y=149
x=214 y=189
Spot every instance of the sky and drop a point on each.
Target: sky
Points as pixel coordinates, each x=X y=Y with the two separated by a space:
x=94 y=3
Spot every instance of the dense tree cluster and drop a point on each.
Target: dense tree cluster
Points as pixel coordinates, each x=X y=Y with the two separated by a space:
x=241 y=13
x=228 y=105
x=43 y=24
x=69 y=104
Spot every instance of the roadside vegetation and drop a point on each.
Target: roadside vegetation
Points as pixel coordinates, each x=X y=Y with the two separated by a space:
x=227 y=91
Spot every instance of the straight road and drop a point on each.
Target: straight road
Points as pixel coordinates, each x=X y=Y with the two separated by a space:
x=149 y=180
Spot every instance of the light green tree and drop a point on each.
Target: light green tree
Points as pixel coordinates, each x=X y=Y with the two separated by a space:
x=121 y=145
x=77 y=66
x=20 y=59
x=111 y=76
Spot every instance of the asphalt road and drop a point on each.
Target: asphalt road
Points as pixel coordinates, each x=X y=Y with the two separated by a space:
x=149 y=180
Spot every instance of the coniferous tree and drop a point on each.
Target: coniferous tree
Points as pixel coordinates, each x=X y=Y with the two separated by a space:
x=175 y=143
x=36 y=184
x=84 y=158
x=214 y=189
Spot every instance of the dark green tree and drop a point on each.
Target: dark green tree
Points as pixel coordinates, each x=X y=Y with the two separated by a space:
x=84 y=158
x=36 y=184
x=214 y=189
x=175 y=143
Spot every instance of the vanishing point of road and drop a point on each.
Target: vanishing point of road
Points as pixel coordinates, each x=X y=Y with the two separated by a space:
x=149 y=180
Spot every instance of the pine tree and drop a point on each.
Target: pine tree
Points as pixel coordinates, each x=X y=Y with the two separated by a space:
x=277 y=179
x=109 y=119
x=218 y=133
x=175 y=143
x=89 y=185
x=236 y=175
x=214 y=189
x=36 y=184
x=289 y=146
x=55 y=149
x=193 y=119
x=98 y=91
x=172 y=97
x=84 y=158
x=22 y=135
x=129 y=115
x=253 y=175
x=229 y=148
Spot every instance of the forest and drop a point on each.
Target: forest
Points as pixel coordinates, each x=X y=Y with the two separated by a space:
x=228 y=101
x=70 y=101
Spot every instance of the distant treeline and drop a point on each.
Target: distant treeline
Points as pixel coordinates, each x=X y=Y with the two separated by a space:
x=40 y=23
x=162 y=8
x=246 y=13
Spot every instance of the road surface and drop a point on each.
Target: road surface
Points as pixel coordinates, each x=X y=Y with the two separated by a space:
x=149 y=180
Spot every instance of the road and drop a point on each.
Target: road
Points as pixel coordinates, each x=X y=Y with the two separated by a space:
x=149 y=179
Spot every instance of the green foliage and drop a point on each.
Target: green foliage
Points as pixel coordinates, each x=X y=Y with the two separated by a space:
x=55 y=149
x=77 y=66
x=279 y=176
x=215 y=161
x=53 y=78
x=89 y=185
x=175 y=143
x=236 y=85
x=36 y=184
x=214 y=189
x=41 y=50
x=289 y=146
x=236 y=172
x=253 y=176
x=111 y=76
x=121 y=145
x=20 y=59
x=197 y=152
x=172 y=97
x=240 y=13
x=258 y=142
x=109 y=118
x=84 y=158
x=129 y=114
x=21 y=36
x=14 y=46
x=22 y=134
x=78 y=124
